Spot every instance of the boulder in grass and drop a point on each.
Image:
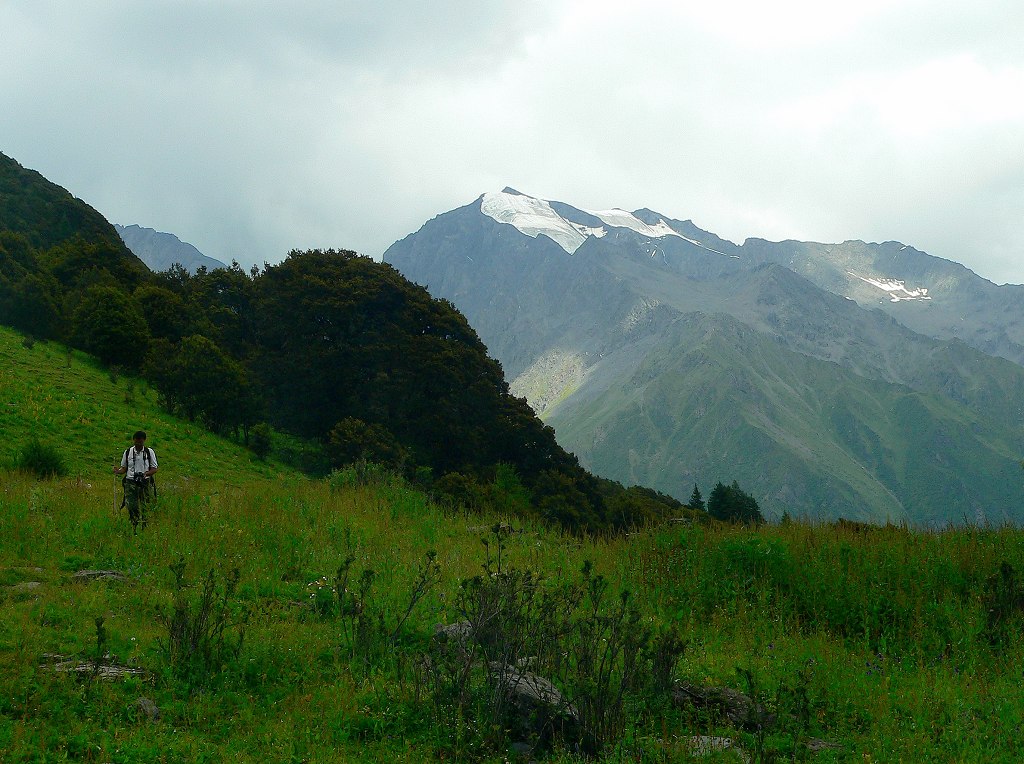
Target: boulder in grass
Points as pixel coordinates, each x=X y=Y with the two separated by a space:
x=537 y=708
x=703 y=746
x=459 y=633
x=455 y=639
x=98 y=575
x=24 y=586
x=816 y=744
x=735 y=707
x=146 y=709
x=103 y=669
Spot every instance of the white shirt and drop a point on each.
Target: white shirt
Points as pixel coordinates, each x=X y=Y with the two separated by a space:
x=136 y=461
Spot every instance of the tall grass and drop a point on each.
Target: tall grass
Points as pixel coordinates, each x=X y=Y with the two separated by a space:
x=874 y=640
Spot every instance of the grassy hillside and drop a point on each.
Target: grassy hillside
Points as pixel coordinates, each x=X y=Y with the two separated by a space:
x=891 y=644
x=68 y=401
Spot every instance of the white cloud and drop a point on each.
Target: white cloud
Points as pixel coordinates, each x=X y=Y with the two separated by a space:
x=939 y=97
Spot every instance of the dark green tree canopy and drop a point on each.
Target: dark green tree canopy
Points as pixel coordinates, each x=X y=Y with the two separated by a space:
x=167 y=314
x=110 y=324
x=733 y=505
x=352 y=440
x=200 y=381
x=341 y=336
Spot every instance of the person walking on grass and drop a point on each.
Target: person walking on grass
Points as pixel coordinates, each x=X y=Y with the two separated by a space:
x=138 y=465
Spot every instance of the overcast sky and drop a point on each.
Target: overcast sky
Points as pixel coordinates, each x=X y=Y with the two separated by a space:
x=252 y=128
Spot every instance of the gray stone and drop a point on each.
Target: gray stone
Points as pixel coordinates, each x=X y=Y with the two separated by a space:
x=99 y=575
x=522 y=751
x=104 y=669
x=458 y=635
x=730 y=704
x=816 y=744
x=24 y=586
x=537 y=706
x=146 y=708
x=460 y=632
x=702 y=746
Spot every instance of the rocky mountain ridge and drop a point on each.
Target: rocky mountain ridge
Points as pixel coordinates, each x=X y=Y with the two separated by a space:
x=159 y=251
x=666 y=355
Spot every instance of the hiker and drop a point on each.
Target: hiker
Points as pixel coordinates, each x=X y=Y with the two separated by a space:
x=137 y=465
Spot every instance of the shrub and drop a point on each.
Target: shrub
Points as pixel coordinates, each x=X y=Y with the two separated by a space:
x=589 y=646
x=1003 y=604
x=353 y=440
x=364 y=473
x=41 y=459
x=260 y=440
x=198 y=640
x=366 y=629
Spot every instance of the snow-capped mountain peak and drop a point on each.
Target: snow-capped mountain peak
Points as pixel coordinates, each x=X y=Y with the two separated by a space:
x=535 y=217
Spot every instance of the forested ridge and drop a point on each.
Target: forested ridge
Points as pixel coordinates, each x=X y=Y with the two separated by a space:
x=329 y=345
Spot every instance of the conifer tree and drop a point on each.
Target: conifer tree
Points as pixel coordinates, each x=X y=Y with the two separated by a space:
x=734 y=505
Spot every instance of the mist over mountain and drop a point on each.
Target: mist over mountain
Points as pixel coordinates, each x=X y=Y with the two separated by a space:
x=870 y=381
x=160 y=251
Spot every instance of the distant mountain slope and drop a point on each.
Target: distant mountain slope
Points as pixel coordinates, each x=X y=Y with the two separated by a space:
x=928 y=294
x=711 y=399
x=160 y=251
x=824 y=405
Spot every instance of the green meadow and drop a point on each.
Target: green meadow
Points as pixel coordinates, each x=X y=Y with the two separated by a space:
x=316 y=640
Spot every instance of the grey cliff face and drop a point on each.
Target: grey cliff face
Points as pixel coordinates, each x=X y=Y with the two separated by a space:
x=159 y=251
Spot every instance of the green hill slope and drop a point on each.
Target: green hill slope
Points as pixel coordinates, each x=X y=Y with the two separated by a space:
x=68 y=401
x=54 y=249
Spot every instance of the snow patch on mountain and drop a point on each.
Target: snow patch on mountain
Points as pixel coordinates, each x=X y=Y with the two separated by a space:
x=709 y=249
x=896 y=289
x=535 y=217
x=617 y=218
